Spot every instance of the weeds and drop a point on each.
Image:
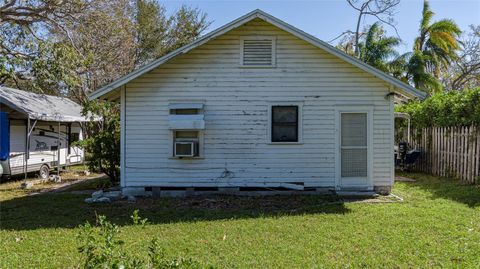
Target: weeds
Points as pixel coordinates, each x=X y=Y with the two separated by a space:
x=100 y=248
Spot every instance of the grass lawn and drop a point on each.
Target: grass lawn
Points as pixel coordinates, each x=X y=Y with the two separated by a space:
x=437 y=225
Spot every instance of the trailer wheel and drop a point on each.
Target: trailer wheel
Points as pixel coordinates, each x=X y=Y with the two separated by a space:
x=44 y=171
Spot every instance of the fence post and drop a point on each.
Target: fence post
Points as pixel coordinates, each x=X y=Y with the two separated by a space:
x=465 y=151
x=449 y=151
x=454 y=160
x=477 y=166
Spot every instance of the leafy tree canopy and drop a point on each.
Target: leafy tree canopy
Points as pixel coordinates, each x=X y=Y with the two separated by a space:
x=72 y=47
x=445 y=109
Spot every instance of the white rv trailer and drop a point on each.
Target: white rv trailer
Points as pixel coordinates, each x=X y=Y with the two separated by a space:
x=41 y=130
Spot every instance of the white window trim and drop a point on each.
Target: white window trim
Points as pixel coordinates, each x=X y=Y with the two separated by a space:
x=353 y=109
x=300 y=122
x=187 y=103
x=259 y=37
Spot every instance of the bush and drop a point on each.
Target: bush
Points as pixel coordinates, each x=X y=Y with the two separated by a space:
x=446 y=109
x=100 y=248
x=103 y=141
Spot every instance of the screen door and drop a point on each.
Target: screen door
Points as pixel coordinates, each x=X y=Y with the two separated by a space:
x=354 y=149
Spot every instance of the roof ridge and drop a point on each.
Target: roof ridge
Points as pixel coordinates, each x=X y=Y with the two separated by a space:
x=34 y=93
x=405 y=88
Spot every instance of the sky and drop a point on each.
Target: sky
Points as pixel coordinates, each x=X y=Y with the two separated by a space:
x=326 y=19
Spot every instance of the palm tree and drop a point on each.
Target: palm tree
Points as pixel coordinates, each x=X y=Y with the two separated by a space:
x=378 y=50
x=433 y=50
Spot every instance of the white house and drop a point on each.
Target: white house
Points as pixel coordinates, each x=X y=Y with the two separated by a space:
x=257 y=103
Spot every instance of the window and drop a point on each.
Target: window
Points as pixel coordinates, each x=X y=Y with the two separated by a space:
x=186 y=122
x=285 y=124
x=354 y=143
x=257 y=51
x=186 y=144
x=184 y=111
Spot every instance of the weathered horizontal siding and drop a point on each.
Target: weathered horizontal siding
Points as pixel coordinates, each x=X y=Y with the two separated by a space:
x=236 y=115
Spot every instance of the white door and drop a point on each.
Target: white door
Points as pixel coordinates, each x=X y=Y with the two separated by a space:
x=354 y=147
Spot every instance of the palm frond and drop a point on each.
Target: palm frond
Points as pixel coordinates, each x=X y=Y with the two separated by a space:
x=376 y=49
x=427 y=15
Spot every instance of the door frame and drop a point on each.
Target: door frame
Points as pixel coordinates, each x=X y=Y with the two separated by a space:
x=338 y=171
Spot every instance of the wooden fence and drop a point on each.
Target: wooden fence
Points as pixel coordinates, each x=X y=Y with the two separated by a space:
x=449 y=151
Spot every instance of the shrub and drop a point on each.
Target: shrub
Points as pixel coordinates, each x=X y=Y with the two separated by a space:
x=446 y=109
x=103 y=141
x=101 y=249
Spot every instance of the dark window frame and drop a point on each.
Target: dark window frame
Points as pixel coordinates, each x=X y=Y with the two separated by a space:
x=274 y=124
x=185 y=111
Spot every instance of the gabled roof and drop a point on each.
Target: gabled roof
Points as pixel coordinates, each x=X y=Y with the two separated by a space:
x=41 y=106
x=399 y=86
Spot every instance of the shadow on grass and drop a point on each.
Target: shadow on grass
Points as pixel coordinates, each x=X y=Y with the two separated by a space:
x=446 y=188
x=65 y=210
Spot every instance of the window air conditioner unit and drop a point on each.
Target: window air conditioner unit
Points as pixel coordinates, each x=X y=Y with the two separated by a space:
x=185 y=148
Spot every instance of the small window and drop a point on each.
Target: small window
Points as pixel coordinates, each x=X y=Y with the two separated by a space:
x=186 y=144
x=257 y=51
x=284 y=124
x=185 y=111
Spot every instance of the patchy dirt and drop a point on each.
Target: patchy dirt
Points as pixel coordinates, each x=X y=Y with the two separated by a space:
x=233 y=202
x=256 y=203
x=64 y=186
x=216 y=202
x=286 y=204
x=69 y=179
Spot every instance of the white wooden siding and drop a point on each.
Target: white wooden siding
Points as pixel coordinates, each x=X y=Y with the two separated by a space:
x=236 y=115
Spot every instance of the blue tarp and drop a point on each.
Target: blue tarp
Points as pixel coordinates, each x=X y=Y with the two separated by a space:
x=4 y=136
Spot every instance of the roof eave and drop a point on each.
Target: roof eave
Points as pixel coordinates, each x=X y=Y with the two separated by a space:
x=408 y=90
x=154 y=64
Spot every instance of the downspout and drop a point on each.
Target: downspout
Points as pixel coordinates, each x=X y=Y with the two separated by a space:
x=58 y=151
x=27 y=148
x=69 y=137
x=408 y=130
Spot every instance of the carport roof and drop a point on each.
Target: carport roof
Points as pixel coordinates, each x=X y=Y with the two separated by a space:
x=41 y=106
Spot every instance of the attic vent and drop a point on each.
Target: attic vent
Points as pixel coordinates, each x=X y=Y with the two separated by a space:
x=258 y=51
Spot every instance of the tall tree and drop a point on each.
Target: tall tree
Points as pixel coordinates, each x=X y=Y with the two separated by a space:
x=159 y=34
x=24 y=27
x=112 y=39
x=382 y=10
x=465 y=71
x=103 y=45
x=152 y=30
x=433 y=50
x=45 y=48
x=30 y=12
x=377 y=49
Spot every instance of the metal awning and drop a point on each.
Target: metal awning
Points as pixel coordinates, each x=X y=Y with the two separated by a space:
x=41 y=106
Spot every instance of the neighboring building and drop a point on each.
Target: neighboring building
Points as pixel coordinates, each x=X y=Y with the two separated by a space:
x=257 y=103
x=37 y=132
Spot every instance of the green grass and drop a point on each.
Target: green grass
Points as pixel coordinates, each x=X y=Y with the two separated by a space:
x=438 y=225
